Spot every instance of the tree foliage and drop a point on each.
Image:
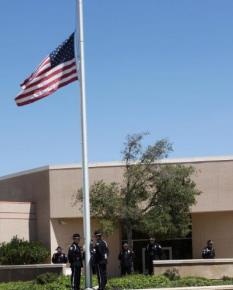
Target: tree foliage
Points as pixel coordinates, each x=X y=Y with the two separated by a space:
x=154 y=198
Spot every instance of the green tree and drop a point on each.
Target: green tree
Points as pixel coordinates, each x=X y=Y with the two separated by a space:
x=154 y=198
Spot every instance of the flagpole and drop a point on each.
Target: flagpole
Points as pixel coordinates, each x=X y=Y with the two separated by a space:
x=86 y=201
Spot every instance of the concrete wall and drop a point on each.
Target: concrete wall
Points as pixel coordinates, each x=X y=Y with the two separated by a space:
x=207 y=268
x=28 y=272
x=31 y=187
x=19 y=218
x=216 y=226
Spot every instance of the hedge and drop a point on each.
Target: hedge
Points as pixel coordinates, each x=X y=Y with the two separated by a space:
x=52 y=282
x=20 y=252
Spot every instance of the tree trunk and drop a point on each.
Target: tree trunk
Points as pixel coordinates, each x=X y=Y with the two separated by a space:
x=129 y=234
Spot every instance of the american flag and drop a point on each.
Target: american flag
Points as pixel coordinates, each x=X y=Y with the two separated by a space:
x=55 y=71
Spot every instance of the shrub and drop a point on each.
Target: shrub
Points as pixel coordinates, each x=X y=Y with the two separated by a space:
x=19 y=252
x=172 y=274
x=192 y=281
x=46 y=278
x=138 y=282
x=226 y=278
x=142 y=281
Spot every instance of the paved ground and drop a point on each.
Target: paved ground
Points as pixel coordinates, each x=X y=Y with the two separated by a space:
x=225 y=287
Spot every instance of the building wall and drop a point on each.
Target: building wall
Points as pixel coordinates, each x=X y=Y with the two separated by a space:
x=215 y=180
x=212 y=216
x=216 y=226
x=65 y=183
x=53 y=191
x=63 y=229
x=30 y=187
x=17 y=219
x=66 y=214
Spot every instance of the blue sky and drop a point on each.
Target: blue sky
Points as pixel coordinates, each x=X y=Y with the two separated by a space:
x=161 y=66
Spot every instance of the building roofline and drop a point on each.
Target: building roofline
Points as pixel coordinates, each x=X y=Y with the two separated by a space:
x=120 y=163
x=20 y=202
x=24 y=172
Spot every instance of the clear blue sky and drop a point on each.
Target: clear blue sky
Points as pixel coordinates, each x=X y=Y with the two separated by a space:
x=161 y=66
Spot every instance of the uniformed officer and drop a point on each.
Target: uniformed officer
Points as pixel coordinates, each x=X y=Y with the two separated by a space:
x=93 y=251
x=75 y=259
x=126 y=259
x=100 y=258
x=208 y=252
x=154 y=252
x=59 y=257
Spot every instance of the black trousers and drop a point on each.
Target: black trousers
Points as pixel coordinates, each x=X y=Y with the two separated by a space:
x=101 y=271
x=126 y=269
x=75 y=277
x=150 y=267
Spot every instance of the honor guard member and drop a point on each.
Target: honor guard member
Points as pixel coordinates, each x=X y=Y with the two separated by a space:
x=126 y=259
x=75 y=260
x=101 y=256
x=93 y=251
x=92 y=260
x=59 y=257
x=153 y=252
x=208 y=252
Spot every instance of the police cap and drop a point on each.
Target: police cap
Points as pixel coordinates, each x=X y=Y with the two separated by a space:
x=98 y=233
x=76 y=235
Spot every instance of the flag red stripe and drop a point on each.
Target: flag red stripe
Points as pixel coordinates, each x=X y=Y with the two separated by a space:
x=42 y=66
x=38 y=71
x=37 y=90
x=43 y=71
x=41 y=79
x=45 y=95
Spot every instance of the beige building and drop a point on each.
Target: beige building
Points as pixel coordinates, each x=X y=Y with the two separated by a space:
x=39 y=204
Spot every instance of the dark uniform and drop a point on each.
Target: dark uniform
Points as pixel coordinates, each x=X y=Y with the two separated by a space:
x=126 y=259
x=100 y=259
x=93 y=251
x=59 y=257
x=75 y=260
x=208 y=252
x=153 y=252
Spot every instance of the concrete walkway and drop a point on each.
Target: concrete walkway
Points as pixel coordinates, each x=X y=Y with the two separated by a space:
x=220 y=287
